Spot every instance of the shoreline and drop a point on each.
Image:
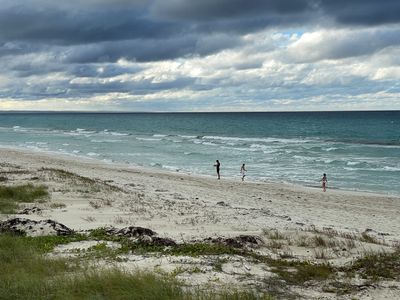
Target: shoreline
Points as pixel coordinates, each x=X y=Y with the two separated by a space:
x=179 y=203
x=135 y=167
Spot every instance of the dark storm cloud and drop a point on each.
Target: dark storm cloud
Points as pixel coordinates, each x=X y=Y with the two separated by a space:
x=93 y=21
x=73 y=27
x=26 y=69
x=227 y=9
x=175 y=25
x=363 y=12
x=18 y=48
x=142 y=50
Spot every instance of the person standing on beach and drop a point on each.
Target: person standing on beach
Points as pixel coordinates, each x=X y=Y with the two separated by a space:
x=324 y=181
x=217 y=166
x=243 y=171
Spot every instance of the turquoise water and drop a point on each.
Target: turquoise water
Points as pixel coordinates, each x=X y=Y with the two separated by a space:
x=357 y=150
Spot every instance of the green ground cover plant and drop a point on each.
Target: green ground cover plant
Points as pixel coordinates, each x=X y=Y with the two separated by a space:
x=11 y=196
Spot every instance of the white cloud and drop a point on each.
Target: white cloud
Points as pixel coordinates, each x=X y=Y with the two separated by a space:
x=389 y=73
x=341 y=43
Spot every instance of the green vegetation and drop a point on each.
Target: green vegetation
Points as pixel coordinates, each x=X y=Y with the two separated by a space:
x=10 y=196
x=95 y=185
x=46 y=244
x=24 y=271
x=101 y=234
x=350 y=238
x=115 y=284
x=376 y=266
x=274 y=244
x=181 y=270
x=320 y=253
x=102 y=251
x=365 y=237
x=319 y=241
x=27 y=274
x=217 y=265
x=273 y=234
x=297 y=273
x=198 y=249
x=63 y=174
x=291 y=271
x=189 y=249
x=57 y=205
x=302 y=241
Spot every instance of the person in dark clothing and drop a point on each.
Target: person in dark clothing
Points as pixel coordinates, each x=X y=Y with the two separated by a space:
x=243 y=171
x=324 y=181
x=217 y=165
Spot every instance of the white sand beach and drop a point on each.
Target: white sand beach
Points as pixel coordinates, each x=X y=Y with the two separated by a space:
x=181 y=205
x=188 y=207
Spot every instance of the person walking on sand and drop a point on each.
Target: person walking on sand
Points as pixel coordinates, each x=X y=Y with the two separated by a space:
x=217 y=165
x=324 y=181
x=243 y=171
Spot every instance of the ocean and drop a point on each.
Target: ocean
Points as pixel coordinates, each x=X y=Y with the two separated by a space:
x=357 y=150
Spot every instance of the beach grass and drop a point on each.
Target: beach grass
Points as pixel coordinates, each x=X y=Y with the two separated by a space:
x=27 y=273
x=297 y=272
x=11 y=196
x=273 y=234
x=293 y=272
x=198 y=249
x=93 y=184
x=57 y=205
x=366 y=238
x=376 y=266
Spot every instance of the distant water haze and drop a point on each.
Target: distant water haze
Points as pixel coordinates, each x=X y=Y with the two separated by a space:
x=357 y=150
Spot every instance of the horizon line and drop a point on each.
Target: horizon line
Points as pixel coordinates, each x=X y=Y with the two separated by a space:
x=189 y=112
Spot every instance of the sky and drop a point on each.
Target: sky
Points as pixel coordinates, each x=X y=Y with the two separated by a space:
x=199 y=55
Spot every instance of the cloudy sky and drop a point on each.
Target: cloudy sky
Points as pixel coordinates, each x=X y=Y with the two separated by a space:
x=199 y=55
